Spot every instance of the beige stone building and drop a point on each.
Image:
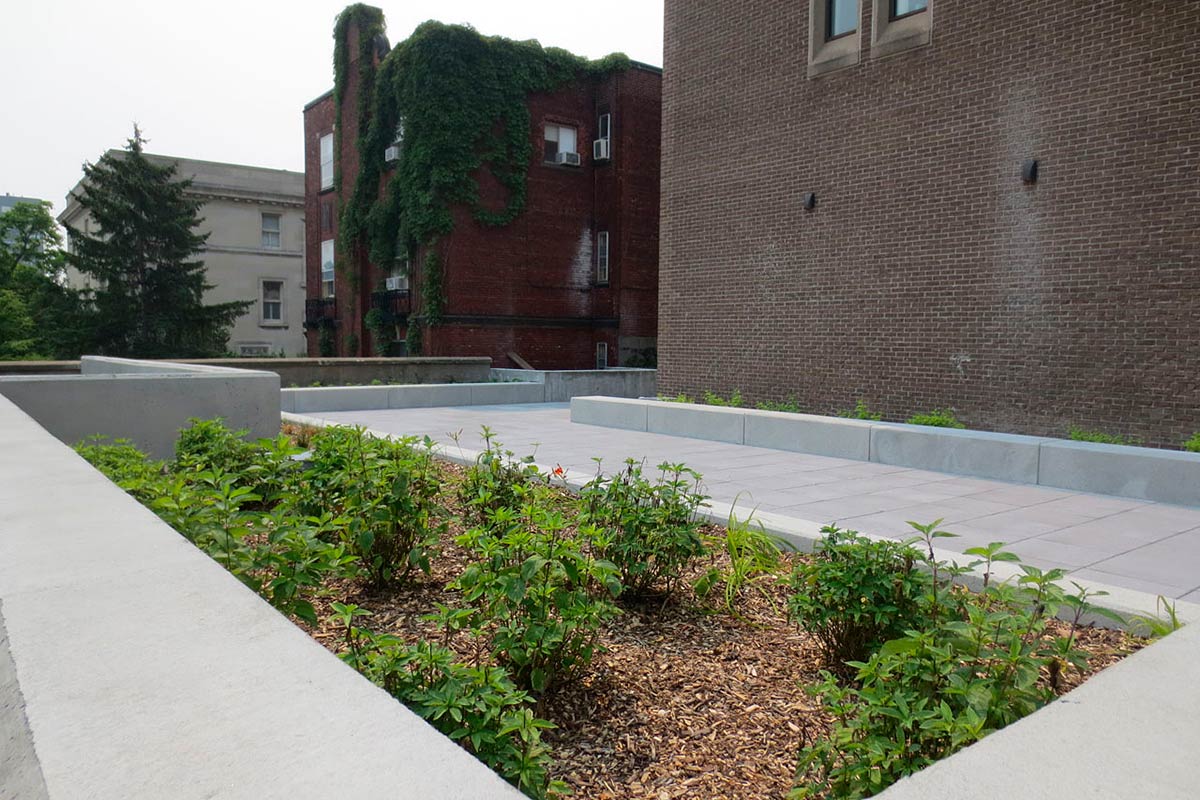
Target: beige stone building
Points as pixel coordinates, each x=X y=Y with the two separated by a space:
x=255 y=251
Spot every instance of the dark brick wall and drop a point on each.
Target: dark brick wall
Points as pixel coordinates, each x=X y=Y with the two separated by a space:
x=929 y=274
x=530 y=287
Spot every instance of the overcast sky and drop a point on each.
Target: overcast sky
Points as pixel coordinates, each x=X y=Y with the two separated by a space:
x=223 y=80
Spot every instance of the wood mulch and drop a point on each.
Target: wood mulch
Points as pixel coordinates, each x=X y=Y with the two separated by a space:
x=686 y=701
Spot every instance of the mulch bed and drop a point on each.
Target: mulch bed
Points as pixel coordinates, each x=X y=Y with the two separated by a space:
x=687 y=701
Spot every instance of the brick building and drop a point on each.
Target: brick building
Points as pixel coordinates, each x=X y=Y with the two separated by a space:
x=572 y=282
x=934 y=268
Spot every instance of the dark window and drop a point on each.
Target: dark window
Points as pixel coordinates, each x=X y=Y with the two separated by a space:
x=326 y=217
x=841 y=17
x=902 y=8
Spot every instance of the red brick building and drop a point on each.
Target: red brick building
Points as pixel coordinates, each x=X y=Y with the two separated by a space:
x=850 y=209
x=572 y=282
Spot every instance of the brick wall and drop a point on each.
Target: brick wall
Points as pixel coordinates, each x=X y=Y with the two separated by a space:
x=928 y=274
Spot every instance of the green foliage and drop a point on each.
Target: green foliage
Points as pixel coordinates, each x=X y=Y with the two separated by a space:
x=1082 y=435
x=142 y=261
x=938 y=418
x=413 y=340
x=855 y=594
x=650 y=528
x=124 y=465
x=734 y=401
x=753 y=558
x=477 y=706
x=971 y=664
x=433 y=292
x=497 y=479
x=791 y=406
x=1192 y=445
x=679 y=398
x=1164 y=621
x=352 y=344
x=38 y=315
x=861 y=411
x=381 y=334
x=209 y=445
x=536 y=594
x=326 y=342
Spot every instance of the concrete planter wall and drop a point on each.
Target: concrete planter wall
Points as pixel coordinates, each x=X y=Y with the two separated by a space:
x=562 y=385
x=147 y=402
x=1166 y=476
x=367 y=398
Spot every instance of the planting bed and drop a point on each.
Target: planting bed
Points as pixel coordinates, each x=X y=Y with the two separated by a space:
x=685 y=697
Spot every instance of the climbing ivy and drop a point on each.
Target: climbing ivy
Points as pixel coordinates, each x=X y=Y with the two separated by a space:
x=433 y=295
x=460 y=99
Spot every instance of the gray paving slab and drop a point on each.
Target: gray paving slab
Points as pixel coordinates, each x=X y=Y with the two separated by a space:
x=1125 y=543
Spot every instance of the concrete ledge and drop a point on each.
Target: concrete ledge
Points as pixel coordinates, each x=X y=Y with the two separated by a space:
x=563 y=385
x=628 y=415
x=1002 y=456
x=1165 y=476
x=431 y=396
x=147 y=671
x=337 y=398
x=807 y=433
x=486 y=394
x=713 y=423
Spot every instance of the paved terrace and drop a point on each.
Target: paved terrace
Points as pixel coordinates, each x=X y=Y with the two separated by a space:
x=1139 y=545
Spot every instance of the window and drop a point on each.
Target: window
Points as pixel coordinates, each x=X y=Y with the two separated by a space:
x=270 y=231
x=559 y=139
x=841 y=18
x=251 y=350
x=833 y=40
x=272 y=301
x=327 y=268
x=602 y=258
x=397 y=280
x=327 y=161
x=900 y=25
x=601 y=355
x=902 y=8
x=604 y=127
x=327 y=217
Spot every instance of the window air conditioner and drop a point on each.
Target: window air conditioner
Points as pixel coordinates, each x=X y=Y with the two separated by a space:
x=392 y=154
x=569 y=159
x=396 y=283
x=601 y=150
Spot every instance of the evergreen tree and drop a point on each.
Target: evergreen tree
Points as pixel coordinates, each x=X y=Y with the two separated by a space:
x=37 y=311
x=147 y=300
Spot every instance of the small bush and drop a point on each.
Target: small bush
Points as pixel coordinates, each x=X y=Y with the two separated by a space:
x=679 y=398
x=855 y=594
x=1192 y=445
x=1082 y=435
x=209 y=445
x=938 y=418
x=860 y=411
x=124 y=465
x=734 y=401
x=650 y=527
x=790 y=405
x=497 y=479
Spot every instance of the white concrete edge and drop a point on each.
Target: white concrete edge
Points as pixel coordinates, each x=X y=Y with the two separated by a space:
x=803 y=535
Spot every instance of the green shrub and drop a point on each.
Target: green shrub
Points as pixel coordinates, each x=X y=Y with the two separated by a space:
x=754 y=556
x=734 y=401
x=651 y=529
x=1192 y=445
x=790 y=405
x=477 y=706
x=1082 y=435
x=124 y=465
x=497 y=479
x=536 y=594
x=208 y=444
x=854 y=594
x=679 y=398
x=938 y=418
x=860 y=411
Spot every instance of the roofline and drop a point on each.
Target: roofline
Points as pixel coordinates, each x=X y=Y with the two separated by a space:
x=645 y=67
x=318 y=99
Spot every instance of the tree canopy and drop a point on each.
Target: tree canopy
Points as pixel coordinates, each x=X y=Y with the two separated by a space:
x=36 y=310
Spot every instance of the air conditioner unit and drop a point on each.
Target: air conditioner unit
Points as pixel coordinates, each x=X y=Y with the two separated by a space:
x=396 y=283
x=568 y=159
x=392 y=154
x=601 y=150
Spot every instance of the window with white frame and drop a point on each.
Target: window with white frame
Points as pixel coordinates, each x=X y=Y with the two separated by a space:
x=397 y=279
x=327 y=161
x=559 y=139
x=270 y=231
x=604 y=127
x=601 y=355
x=327 y=268
x=833 y=35
x=602 y=258
x=272 y=302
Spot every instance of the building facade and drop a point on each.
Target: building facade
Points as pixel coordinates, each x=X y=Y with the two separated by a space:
x=255 y=250
x=570 y=283
x=990 y=207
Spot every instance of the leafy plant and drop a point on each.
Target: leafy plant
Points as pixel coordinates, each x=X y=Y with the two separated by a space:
x=854 y=594
x=938 y=418
x=1083 y=435
x=651 y=531
x=790 y=405
x=734 y=400
x=538 y=595
x=208 y=444
x=679 y=398
x=497 y=479
x=1192 y=445
x=1164 y=621
x=754 y=556
x=477 y=706
x=861 y=411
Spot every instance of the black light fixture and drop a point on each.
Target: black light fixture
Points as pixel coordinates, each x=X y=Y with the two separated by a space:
x=810 y=201
x=1029 y=170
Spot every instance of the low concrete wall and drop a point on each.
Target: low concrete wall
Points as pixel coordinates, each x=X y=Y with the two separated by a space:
x=39 y=367
x=1167 y=476
x=362 y=398
x=301 y=372
x=562 y=385
x=144 y=670
x=146 y=402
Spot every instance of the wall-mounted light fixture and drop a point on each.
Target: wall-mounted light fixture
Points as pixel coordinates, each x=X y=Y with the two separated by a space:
x=810 y=201
x=1029 y=170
